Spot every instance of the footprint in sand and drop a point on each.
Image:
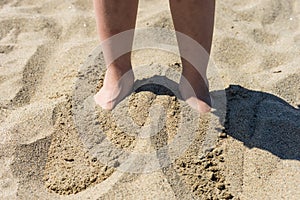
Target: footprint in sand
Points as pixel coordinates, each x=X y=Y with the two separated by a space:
x=289 y=88
x=23 y=75
x=232 y=52
x=27 y=124
x=276 y=9
x=274 y=59
x=260 y=36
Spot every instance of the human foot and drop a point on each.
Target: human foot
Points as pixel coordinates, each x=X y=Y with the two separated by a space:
x=195 y=92
x=117 y=85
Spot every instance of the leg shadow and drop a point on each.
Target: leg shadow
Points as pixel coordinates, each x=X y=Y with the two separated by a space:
x=264 y=121
x=159 y=85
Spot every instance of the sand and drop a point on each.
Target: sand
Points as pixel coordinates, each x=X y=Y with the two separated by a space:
x=56 y=144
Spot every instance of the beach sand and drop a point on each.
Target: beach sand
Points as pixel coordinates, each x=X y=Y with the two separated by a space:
x=50 y=143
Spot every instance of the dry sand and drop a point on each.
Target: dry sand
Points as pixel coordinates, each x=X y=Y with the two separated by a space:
x=51 y=147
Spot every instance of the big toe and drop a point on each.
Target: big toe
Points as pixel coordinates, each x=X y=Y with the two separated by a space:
x=198 y=105
x=103 y=102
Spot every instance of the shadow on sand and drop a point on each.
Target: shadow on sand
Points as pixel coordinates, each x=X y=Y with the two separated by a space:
x=263 y=121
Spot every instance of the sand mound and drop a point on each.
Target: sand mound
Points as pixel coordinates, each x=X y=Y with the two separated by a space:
x=69 y=168
x=192 y=173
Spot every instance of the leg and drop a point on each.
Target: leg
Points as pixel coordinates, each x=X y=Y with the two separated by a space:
x=114 y=17
x=195 y=20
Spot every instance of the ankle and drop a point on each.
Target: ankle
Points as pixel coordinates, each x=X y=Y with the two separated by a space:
x=115 y=73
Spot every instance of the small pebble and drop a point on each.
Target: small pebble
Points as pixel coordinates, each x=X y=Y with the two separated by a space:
x=222 y=135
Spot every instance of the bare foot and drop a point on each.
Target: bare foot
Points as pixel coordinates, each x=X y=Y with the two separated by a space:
x=195 y=92
x=117 y=85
